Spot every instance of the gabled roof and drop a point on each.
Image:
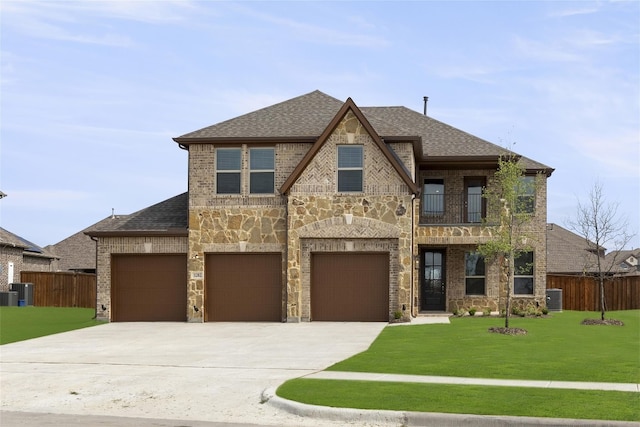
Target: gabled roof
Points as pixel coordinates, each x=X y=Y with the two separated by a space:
x=78 y=251
x=349 y=105
x=305 y=118
x=7 y=238
x=168 y=218
x=626 y=261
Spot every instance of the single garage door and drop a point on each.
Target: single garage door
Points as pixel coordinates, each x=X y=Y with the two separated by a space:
x=350 y=287
x=149 y=288
x=243 y=287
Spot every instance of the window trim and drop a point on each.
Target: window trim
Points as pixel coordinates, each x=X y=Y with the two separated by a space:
x=434 y=213
x=531 y=276
x=272 y=170
x=483 y=277
x=350 y=168
x=526 y=190
x=228 y=171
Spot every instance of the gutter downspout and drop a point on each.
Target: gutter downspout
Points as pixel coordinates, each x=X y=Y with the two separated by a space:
x=95 y=314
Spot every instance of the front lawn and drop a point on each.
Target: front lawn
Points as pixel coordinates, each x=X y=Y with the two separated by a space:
x=468 y=399
x=23 y=323
x=556 y=348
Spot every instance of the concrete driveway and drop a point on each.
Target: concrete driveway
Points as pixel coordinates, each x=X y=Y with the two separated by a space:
x=208 y=372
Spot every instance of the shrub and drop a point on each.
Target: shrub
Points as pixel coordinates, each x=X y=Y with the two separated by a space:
x=472 y=311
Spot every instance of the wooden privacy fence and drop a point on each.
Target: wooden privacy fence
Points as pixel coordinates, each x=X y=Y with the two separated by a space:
x=61 y=289
x=583 y=293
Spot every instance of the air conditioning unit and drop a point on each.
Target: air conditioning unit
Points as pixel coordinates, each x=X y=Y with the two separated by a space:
x=554 y=299
x=25 y=292
x=8 y=299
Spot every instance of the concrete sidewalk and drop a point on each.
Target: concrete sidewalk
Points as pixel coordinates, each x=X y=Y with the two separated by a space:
x=578 y=385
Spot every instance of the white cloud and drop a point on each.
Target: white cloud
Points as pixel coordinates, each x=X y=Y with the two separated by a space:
x=319 y=34
x=573 y=11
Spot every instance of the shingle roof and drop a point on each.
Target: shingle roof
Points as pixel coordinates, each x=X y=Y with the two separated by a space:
x=7 y=238
x=307 y=116
x=568 y=252
x=78 y=251
x=303 y=116
x=167 y=217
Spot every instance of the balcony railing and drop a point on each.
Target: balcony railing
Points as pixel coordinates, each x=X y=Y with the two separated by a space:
x=451 y=208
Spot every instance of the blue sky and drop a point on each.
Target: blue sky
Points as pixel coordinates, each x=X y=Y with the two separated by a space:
x=92 y=92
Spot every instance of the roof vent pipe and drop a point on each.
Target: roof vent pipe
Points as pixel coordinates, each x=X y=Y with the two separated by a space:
x=426 y=99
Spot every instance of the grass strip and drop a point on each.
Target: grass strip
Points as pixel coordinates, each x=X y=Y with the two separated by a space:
x=555 y=348
x=467 y=399
x=23 y=323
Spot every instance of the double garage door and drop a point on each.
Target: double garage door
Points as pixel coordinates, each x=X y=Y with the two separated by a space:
x=248 y=287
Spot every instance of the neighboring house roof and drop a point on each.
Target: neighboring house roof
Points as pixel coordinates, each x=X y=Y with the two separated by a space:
x=169 y=218
x=569 y=253
x=78 y=252
x=7 y=238
x=628 y=261
x=306 y=117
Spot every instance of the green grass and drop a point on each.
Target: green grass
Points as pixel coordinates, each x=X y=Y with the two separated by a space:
x=471 y=399
x=556 y=348
x=23 y=323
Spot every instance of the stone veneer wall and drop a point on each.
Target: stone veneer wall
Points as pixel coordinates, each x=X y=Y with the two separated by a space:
x=233 y=223
x=377 y=220
x=233 y=229
x=129 y=245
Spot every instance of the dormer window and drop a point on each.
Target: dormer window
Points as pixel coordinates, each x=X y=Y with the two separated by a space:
x=350 y=167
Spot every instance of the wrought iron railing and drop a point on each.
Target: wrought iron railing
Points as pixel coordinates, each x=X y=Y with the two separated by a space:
x=452 y=208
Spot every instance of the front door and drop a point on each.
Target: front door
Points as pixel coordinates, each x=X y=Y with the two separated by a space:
x=433 y=289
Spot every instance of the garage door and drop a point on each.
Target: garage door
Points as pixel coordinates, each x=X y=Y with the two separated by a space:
x=350 y=287
x=243 y=287
x=149 y=288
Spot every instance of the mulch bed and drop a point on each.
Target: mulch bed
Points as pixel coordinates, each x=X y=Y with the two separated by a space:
x=612 y=322
x=508 y=331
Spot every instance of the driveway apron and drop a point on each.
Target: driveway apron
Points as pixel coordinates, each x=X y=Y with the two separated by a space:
x=207 y=372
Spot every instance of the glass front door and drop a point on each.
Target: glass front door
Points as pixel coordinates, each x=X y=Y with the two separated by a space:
x=433 y=289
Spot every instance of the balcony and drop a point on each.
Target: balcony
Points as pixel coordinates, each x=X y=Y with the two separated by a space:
x=452 y=209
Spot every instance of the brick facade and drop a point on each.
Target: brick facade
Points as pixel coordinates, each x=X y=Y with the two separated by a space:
x=307 y=214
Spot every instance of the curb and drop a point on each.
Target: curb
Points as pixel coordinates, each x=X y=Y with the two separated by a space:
x=408 y=418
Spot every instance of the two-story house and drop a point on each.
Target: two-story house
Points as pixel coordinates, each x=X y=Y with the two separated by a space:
x=317 y=209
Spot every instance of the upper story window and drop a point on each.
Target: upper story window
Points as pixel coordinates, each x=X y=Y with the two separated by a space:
x=526 y=202
x=228 y=170
x=261 y=170
x=523 y=274
x=433 y=196
x=474 y=273
x=350 y=168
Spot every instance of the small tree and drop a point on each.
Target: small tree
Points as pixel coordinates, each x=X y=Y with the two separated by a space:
x=514 y=198
x=601 y=226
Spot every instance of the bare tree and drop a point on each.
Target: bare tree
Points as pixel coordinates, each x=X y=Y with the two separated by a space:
x=599 y=223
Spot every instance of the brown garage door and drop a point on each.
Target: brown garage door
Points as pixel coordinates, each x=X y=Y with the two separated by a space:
x=350 y=287
x=243 y=287
x=149 y=288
